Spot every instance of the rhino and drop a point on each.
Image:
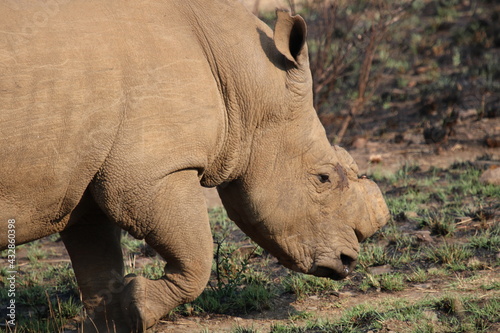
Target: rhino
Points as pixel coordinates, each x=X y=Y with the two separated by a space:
x=114 y=116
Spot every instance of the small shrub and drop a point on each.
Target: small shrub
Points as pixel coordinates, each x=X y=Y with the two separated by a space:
x=252 y=297
x=372 y=255
x=439 y=223
x=392 y=282
x=300 y=315
x=491 y=286
x=419 y=275
x=488 y=239
x=370 y=281
x=130 y=244
x=36 y=253
x=305 y=285
x=449 y=254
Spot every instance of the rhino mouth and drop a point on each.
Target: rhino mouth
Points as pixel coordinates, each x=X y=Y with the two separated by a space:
x=337 y=270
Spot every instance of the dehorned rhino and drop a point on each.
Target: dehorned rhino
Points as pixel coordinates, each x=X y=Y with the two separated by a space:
x=114 y=114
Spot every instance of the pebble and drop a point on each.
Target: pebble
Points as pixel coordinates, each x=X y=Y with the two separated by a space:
x=359 y=143
x=491 y=176
x=378 y=270
x=347 y=294
x=424 y=236
x=430 y=315
x=423 y=286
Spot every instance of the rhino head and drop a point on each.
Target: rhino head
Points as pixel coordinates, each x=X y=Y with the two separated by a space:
x=298 y=197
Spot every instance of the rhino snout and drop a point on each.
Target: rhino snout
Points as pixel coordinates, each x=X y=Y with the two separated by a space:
x=337 y=268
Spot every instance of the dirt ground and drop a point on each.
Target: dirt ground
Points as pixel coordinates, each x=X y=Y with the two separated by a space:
x=330 y=308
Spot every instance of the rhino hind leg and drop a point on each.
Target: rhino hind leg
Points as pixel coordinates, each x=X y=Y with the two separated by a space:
x=93 y=243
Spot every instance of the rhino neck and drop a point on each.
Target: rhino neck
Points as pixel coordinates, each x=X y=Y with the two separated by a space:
x=242 y=56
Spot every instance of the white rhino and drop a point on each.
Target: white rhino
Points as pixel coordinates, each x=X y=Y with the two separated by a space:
x=114 y=114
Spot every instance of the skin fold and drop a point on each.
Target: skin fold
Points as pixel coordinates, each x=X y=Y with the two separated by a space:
x=115 y=114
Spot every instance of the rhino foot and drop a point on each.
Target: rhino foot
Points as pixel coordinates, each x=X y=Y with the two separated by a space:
x=143 y=302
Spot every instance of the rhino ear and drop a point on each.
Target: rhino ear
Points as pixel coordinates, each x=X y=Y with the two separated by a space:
x=290 y=36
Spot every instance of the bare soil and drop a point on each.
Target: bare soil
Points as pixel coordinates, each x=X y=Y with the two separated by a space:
x=330 y=307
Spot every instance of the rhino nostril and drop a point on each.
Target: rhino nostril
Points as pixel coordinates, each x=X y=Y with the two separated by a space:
x=348 y=262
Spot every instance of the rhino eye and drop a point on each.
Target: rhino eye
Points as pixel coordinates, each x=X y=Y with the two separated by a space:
x=324 y=178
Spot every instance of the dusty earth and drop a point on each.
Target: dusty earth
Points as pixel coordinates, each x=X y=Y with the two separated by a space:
x=328 y=307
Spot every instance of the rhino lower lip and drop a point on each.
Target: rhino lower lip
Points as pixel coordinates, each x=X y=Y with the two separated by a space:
x=337 y=273
x=337 y=270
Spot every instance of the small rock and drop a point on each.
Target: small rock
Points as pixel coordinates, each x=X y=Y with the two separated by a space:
x=457 y=147
x=430 y=315
x=492 y=141
x=469 y=113
x=424 y=236
x=411 y=215
x=375 y=158
x=493 y=109
x=435 y=135
x=422 y=69
x=423 y=286
x=359 y=143
x=476 y=263
x=349 y=294
x=245 y=250
x=378 y=270
x=399 y=138
x=491 y=176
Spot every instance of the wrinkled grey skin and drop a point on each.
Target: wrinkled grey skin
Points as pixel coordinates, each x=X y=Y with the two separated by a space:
x=113 y=114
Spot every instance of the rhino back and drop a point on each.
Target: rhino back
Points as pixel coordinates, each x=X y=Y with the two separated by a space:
x=83 y=80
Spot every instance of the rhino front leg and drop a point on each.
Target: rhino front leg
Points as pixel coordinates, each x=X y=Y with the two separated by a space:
x=172 y=217
x=93 y=243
